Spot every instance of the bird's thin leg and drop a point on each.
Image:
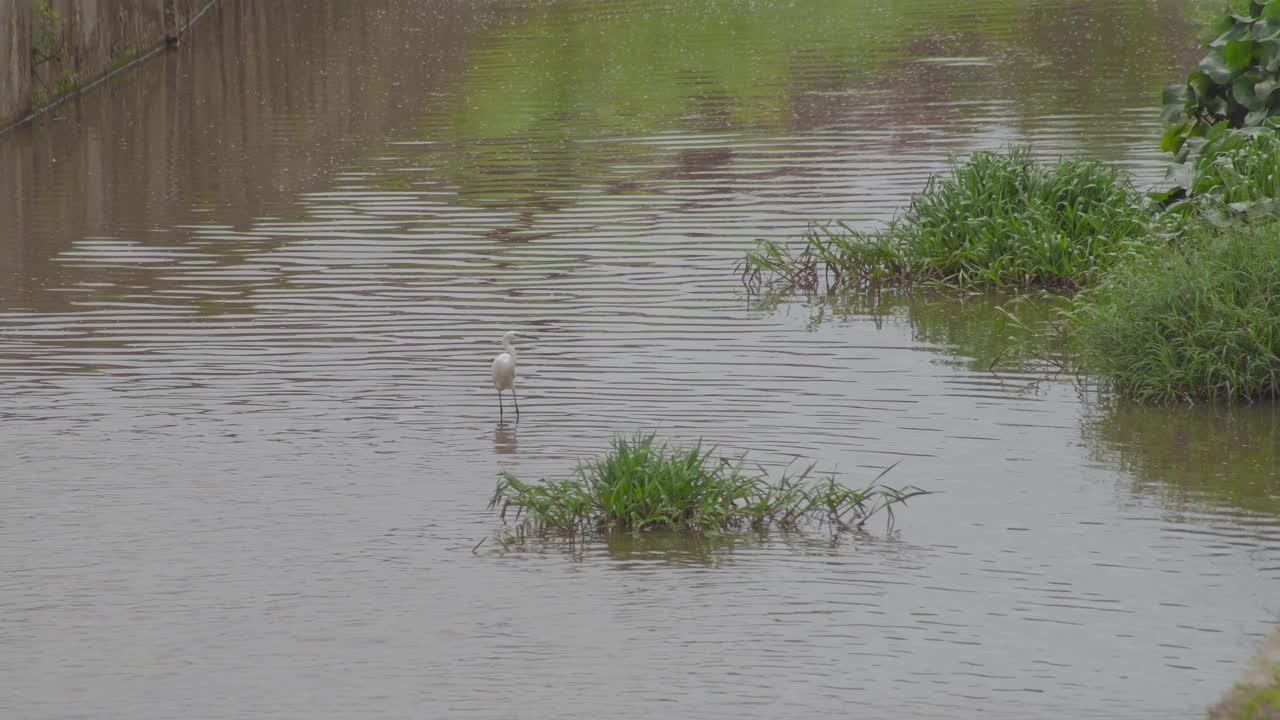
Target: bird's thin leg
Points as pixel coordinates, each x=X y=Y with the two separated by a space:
x=499 y=407
x=517 y=402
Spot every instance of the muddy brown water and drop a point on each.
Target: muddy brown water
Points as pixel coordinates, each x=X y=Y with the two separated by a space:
x=249 y=293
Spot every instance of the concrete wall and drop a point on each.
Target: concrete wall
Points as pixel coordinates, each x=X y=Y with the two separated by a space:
x=95 y=36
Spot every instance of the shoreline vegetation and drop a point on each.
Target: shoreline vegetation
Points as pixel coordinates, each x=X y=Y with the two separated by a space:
x=1257 y=696
x=996 y=221
x=640 y=486
x=1171 y=296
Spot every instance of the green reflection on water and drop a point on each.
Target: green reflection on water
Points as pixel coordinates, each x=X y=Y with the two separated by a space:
x=548 y=75
x=1192 y=459
x=970 y=328
x=677 y=547
x=1195 y=458
x=606 y=67
x=668 y=547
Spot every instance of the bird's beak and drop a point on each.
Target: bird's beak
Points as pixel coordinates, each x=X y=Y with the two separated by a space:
x=527 y=336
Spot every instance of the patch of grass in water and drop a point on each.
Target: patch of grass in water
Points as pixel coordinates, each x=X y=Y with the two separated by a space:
x=997 y=220
x=640 y=485
x=1199 y=321
x=834 y=257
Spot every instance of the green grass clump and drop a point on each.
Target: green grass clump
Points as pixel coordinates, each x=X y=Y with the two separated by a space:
x=1251 y=702
x=1001 y=219
x=639 y=485
x=997 y=220
x=840 y=258
x=1198 y=321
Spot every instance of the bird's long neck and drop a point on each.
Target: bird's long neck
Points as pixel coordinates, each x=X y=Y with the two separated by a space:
x=511 y=350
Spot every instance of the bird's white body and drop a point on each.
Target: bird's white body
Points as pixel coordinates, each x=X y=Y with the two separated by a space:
x=504 y=372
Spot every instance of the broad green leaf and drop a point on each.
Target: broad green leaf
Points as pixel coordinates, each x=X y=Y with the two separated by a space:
x=1200 y=84
x=1173 y=103
x=1242 y=89
x=1271 y=9
x=1267 y=55
x=1215 y=66
x=1237 y=31
x=1237 y=54
x=1216 y=132
x=1265 y=87
x=1174 y=136
x=1255 y=117
x=1223 y=24
x=1263 y=30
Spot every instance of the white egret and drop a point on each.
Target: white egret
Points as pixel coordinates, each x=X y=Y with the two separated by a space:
x=504 y=371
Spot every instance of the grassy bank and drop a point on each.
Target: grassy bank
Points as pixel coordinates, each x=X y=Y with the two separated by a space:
x=1180 y=301
x=1180 y=288
x=1192 y=322
x=640 y=485
x=997 y=220
x=1252 y=702
x=1257 y=697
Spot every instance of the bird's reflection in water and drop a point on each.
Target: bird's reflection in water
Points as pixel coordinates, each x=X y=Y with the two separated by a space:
x=505 y=441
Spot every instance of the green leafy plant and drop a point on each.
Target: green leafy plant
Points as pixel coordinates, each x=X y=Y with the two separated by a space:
x=1235 y=175
x=1235 y=83
x=1234 y=89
